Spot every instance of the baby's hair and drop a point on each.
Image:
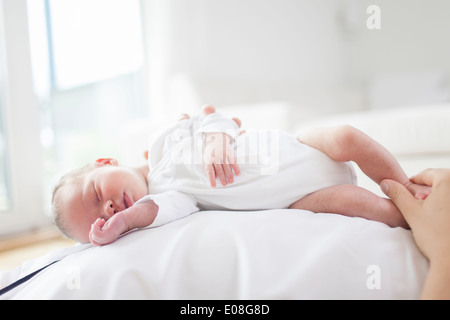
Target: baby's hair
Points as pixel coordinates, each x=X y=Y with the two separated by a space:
x=58 y=206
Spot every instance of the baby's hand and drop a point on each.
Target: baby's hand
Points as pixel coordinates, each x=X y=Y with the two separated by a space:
x=139 y=215
x=219 y=157
x=104 y=232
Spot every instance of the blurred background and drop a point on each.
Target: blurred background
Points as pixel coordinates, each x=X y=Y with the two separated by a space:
x=84 y=79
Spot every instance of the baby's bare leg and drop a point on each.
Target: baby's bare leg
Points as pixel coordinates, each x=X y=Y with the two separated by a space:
x=352 y=201
x=345 y=143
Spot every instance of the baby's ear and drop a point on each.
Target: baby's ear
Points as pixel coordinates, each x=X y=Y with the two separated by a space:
x=106 y=162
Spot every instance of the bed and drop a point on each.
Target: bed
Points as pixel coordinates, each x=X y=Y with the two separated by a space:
x=270 y=254
x=274 y=254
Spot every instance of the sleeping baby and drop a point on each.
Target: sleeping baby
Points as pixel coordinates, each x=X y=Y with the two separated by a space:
x=256 y=170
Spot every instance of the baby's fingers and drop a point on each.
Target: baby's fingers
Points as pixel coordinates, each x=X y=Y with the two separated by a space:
x=98 y=224
x=228 y=172
x=238 y=121
x=207 y=109
x=96 y=230
x=220 y=173
x=211 y=173
x=233 y=163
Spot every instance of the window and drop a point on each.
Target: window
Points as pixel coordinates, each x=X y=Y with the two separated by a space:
x=5 y=189
x=93 y=40
x=72 y=73
x=88 y=72
x=20 y=160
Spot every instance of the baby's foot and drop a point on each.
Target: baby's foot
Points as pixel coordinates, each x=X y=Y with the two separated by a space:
x=419 y=191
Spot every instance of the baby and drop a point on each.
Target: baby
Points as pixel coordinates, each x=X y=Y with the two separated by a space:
x=264 y=169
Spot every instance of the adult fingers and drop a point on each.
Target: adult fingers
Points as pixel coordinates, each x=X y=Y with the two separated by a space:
x=429 y=177
x=425 y=177
x=401 y=196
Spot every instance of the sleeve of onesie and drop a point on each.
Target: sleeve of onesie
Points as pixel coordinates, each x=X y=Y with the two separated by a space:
x=173 y=205
x=215 y=122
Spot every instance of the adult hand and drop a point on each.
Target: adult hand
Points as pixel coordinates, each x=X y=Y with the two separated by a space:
x=429 y=219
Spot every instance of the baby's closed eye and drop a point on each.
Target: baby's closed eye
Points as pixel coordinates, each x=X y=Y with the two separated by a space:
x=95 y=193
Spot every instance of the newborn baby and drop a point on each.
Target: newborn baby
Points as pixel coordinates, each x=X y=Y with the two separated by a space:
x=263 y=169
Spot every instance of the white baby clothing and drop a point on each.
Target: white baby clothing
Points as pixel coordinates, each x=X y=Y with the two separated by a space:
x=276 y=170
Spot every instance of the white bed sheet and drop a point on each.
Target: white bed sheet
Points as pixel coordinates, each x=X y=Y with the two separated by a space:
x=273 y=254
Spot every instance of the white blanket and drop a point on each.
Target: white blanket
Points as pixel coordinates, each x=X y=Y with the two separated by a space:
x=273 y=254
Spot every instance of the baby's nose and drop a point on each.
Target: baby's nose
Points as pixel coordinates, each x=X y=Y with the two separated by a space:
x=111 y=208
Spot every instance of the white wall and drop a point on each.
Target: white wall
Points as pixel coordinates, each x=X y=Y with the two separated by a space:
x=414 y=36
x=406 y=61
x=257 y=39
x=318 y=55
x=238 y=51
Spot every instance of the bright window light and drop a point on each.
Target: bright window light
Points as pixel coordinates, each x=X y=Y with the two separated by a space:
x=5 y=192
x=88 y=69
x=4 y=172
x=93 y=40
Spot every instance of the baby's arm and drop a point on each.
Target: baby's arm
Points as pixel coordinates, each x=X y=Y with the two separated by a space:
x=139 y=215
x=218 y=133
x=152 y=210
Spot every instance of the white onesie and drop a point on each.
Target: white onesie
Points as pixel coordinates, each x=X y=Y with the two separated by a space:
x=276 y=170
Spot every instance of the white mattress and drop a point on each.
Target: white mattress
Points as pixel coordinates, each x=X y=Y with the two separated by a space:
x=273 y=254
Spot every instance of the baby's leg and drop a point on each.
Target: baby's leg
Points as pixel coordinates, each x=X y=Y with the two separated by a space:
x=345 y=143
x=352 y=201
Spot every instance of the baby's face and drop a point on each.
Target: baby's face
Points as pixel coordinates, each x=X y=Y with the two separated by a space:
x=100 y=193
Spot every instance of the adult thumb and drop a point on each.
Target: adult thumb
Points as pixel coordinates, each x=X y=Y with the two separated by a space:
x=400 y=195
